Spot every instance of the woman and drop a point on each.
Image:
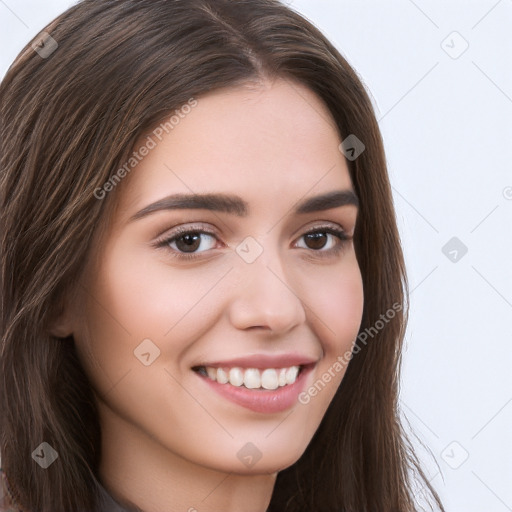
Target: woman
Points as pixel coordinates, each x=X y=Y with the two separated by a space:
x=203 y=290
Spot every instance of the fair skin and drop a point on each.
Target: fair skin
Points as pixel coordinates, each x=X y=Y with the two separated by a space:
x=168 y=441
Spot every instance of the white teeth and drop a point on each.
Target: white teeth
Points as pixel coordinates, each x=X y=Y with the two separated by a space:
x=236 y=377
x=222 y=376
x=291 y=374
x=253 y=378
x=269 y=379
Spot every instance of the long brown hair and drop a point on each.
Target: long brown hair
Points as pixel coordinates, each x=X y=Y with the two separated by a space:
x=69 y=117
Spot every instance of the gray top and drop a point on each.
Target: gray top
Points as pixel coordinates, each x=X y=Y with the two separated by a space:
x=108 y=504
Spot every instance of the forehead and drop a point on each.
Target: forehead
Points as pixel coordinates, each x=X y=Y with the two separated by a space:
x=270 y=144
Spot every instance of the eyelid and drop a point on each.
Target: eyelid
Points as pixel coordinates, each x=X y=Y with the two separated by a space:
x=321 y=224
x=189 y=227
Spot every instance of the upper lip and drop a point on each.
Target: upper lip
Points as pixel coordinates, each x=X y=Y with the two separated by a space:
x=262 y=361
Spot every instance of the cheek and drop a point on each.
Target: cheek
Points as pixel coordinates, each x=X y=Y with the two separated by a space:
x=342 y=305
x=118 y=309
x=146 y=295
x=136 y=296
x=335 y=297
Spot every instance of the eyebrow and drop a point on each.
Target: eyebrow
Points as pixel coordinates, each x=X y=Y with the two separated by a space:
x=235 y=205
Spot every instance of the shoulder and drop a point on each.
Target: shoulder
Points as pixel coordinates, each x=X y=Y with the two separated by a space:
x=7 y=501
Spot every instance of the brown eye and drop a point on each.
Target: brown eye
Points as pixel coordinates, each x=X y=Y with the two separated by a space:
x=323 y=240
x=188 y=243
x=315 y=240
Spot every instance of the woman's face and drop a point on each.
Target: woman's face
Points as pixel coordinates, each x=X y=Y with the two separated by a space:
x=245 y=286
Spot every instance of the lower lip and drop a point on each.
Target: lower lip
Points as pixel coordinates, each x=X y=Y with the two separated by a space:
x=262 y=400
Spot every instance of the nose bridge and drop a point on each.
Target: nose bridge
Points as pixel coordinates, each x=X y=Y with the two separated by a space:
x=265 y=295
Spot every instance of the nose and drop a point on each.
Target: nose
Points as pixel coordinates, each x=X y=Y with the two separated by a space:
x=265 y=298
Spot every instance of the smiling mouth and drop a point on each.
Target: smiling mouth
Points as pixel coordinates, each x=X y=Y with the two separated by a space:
x=252 y=378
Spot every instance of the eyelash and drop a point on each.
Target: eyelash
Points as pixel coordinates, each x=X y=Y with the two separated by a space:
x=163 y=243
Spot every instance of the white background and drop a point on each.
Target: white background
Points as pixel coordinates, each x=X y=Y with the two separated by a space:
x=446 y=119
